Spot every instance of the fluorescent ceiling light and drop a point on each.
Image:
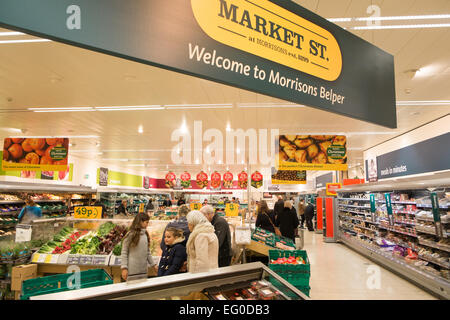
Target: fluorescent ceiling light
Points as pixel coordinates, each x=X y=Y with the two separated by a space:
x=124 y=108
x=424 y=103
x=23 y=41
x=340 y=19
x=67 y=109
x=410 y=26
x=12 y=33
x=392 y=18
x=199 y=106
x=13 y=130
x=141 y=129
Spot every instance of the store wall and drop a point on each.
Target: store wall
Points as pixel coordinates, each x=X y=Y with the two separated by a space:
x=428 y=131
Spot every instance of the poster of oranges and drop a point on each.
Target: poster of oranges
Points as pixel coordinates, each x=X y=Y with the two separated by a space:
x=310 y=152
x=35 y=154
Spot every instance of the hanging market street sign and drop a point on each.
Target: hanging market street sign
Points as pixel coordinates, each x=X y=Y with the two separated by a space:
x=276 y=47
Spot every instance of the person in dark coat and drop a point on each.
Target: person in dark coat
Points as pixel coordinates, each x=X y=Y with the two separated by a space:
x=181 y=201
x=150 y=205
x=265 y=218
x=279 y=206
x=222 y=231
x=301 y=212
x=180 y=223
x=309 y=215
x=287 y=221
x=174 y=255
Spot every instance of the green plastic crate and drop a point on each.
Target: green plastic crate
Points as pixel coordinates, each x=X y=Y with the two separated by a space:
x=58 y=283
x=298 y=274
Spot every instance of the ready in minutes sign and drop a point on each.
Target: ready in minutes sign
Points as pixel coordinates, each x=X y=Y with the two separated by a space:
x=276 y=47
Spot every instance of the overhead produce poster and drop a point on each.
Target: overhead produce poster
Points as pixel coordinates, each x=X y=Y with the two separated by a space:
x=170 y=180
x=242 y=180
x=257 y=180
x=216 y=180
x=202 y=180
x=228 y=180
x=288 y=176
x=35 y=154
x=308 y=152
x=186 y=180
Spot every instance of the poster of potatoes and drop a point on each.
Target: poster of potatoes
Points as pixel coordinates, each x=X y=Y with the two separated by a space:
x=308 y=152
x=35 y=154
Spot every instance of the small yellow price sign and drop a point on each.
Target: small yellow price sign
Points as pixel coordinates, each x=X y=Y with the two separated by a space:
x=231 y=210
x=141 y=208
x=196 y=206
x=88 y=213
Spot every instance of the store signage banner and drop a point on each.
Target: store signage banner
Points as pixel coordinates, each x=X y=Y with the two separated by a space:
x=426 y=156
x=202 y=180
x=276 y=47
x=436 y=214
x=243 y=180
x=186 y=180
x=85 y=212
x=37 y=154
x=307 y=152
x=321 y=181
x=257 y=180
x=387 y=197
x=231 y=209
x=216 y=180
x=348 y=182
x=170 y=180
x=288 y=176
x=103 y=177
x=115 y=178
x=146 y=182
x=196 y=206
x=228 y=180
x=332 y=188
x=372 y=172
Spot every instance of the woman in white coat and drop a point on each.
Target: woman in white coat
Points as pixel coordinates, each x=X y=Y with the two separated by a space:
x=203 y=246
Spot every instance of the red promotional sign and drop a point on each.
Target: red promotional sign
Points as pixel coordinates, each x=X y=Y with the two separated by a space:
x=146 y=182
x=332 y=188
x=257 y=180
x=202 y=180
x=186 y=180
x=215 y=180
x=170 y=180
x=242 y=180
x=228 y=180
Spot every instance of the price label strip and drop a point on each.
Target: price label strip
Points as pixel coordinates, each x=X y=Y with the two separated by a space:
x=100 y=260
x=86 y=260
x=88 y=213
x=73 y=259
x=36 y=257
x=42 y=258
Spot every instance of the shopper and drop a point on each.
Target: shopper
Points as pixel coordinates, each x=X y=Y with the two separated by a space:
x=227 y=200
x=150 y=206
x=287 y=220
x=174 y=255
x=136 y=255
x=222 y=231
x=181 y=201
x=203 y=246
x=167 y=202
x=30 y=212
x=180 y=223
x=205 y=202
x=301 y=213
x=123 y=208
x=279 y=206
x=265 y=217
x=309 y=215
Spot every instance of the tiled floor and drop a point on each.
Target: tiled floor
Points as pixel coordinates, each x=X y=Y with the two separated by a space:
x=339 y=273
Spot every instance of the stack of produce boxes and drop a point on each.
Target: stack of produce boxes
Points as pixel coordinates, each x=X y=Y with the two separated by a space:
x=272 y=240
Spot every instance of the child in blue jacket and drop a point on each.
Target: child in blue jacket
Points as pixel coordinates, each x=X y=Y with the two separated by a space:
x=174 y=254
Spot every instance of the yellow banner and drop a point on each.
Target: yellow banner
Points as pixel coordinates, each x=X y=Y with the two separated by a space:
x=141 y=207
x=232 y=209
x=264 y=29
x=196 y=206
x=312 y=152
x=88 y=213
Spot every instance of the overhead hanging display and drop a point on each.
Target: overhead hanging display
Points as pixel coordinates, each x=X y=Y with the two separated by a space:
x=242 y=180
x=288 y=176
x=276 y=47
x=228 y=180
x=308 y=152
x=257 y=180
x=35 y=154
x=170 y=180
x=185 y=180
x=216 y=180
x=202 y=180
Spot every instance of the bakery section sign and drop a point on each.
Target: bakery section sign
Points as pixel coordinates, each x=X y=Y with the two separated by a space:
x=35 y=154
x=312 y=152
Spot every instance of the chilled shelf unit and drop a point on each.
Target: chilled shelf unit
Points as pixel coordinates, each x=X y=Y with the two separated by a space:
x=398 y=230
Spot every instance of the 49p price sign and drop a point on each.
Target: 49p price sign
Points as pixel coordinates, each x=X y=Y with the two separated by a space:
x=231 y=209
x=88 y=213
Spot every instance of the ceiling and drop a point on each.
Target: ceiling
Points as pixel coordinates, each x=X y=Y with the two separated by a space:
x=50 y=74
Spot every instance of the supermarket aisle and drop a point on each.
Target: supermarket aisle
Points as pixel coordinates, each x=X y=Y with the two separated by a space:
x=338 y=273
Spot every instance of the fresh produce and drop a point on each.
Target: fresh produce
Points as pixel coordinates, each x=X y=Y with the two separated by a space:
x=105 y=229
x=118 y=249
x=87 y=245
x=10 y=250
x=290 y=260
x=109 y=241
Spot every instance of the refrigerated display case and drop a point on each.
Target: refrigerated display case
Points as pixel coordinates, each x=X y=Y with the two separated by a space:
x=194 y=286
x=398 y=226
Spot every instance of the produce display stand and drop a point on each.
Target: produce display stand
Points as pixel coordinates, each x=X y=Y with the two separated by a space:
x=258 y=247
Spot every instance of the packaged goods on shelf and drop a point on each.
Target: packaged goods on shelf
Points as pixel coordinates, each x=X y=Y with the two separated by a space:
x=270 y=239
